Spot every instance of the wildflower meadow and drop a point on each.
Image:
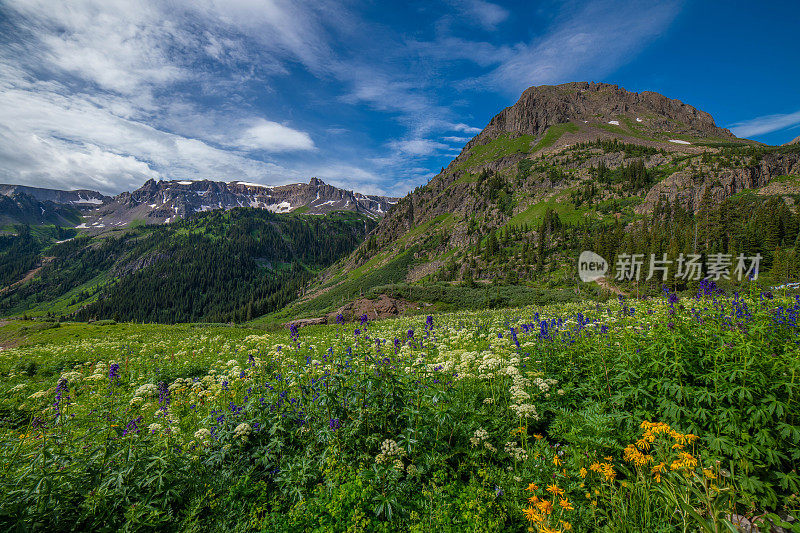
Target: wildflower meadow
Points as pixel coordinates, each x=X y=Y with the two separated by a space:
x=676 y=413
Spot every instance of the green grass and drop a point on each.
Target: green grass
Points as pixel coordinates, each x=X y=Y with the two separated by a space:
x=786 y=179
x=533 y=215
x=553 y=134
x=394 y=271
x=502 y=146
x=628 y=132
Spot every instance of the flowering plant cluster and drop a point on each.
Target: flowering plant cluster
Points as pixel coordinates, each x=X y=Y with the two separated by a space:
x=412 y=423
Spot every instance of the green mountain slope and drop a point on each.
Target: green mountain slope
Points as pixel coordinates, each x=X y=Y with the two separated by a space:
x=217 y=266
x=576 y=167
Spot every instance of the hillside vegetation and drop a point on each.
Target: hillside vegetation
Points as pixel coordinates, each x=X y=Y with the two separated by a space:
x=218 y=266
x=582 y=167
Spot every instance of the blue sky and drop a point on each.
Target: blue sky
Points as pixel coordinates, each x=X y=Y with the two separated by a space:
x=372 y=96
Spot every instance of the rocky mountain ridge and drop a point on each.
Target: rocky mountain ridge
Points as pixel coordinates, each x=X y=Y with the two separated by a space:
x=159 y=202
x=82 y=198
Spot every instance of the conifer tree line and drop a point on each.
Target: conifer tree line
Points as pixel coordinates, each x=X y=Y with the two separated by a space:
x=743 y=224
x=215 y=266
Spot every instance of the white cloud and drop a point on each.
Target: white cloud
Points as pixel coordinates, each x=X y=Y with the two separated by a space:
x=589 y=42
x=107 y=93
x=465 y=128
x=418 y=147
x=109 y=117
x=484 y=14
x=119 y=45
x=273 y=137
x=766 y=124
x=72 y=140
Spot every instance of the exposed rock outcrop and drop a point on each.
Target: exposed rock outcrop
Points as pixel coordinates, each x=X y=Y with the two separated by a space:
x=688 y=189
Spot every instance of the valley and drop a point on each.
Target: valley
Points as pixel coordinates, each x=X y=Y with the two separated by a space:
x=201 y=355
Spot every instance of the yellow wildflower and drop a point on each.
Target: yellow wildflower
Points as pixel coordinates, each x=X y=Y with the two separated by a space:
x=545 y=506
x=532 y=515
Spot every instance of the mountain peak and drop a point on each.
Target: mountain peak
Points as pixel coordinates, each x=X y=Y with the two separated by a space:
x=598 y=104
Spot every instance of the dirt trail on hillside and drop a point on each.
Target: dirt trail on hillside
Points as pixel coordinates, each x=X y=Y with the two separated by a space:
x=28 y=275
x=605 y=284
x=383 y=306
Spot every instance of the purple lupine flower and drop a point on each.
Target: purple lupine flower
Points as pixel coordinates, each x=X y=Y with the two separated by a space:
x=410 y=334
x=334 y=424
x=163 y=395
x=340 y=319
x=62 y=389
x=429 y=322
x=364 y=320
x=293 y=332
x=113 y=372
x=132 y=426
x=672 y=298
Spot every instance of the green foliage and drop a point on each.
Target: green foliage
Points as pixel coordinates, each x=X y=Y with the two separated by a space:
x=502 y=146
x=216 y=266
x=407 y=424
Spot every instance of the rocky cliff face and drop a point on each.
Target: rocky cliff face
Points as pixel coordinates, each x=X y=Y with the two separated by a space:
x=688 y=188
